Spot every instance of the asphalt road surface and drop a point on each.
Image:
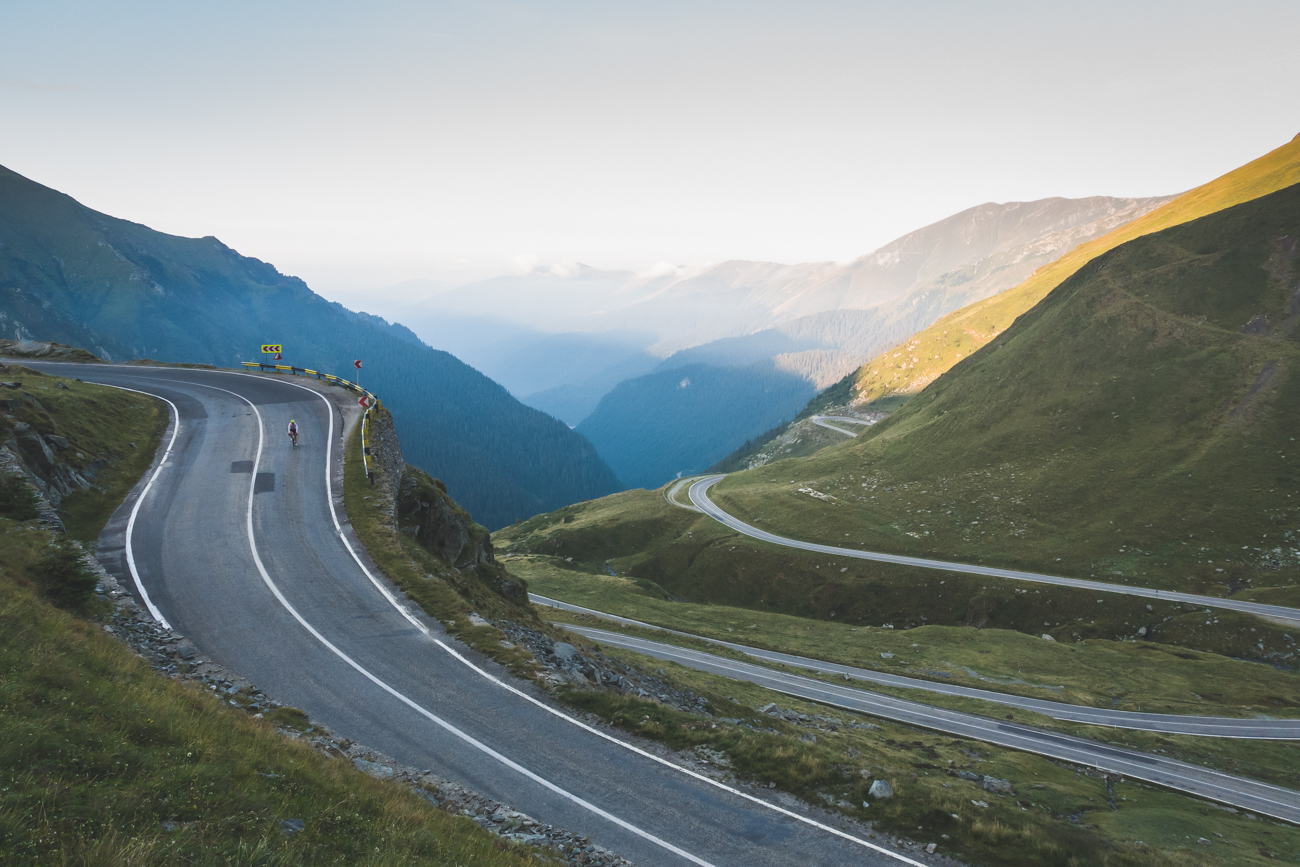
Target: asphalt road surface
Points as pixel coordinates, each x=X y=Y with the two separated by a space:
x=699 y=495
x=1205 y=726
x=240 y=543
x=1239 y=792
x=824 y=419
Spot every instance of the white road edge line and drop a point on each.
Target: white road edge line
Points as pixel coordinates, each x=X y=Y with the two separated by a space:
x=829 y=690
x=135 y=510
x=407 y=614
x=1069 y=713
x=467 y=738
x=713 y=510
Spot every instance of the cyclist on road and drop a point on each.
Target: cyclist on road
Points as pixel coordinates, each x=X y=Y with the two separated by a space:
x=293 y=431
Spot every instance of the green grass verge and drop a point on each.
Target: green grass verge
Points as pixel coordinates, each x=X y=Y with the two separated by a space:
x=666 y=551
x=98 y=751
x=112 y=435
x=1124 y=675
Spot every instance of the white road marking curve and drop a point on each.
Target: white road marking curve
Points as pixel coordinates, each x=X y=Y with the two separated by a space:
x=525 y=696
x=135 y=510
x=824 y=421
x=432 y=717
x=699 y=495
x=837 y=696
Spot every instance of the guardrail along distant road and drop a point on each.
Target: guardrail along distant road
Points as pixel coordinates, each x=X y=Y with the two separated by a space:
x=699 y=495
x=242 y=545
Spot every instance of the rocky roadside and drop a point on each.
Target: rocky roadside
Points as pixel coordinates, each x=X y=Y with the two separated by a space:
x=173 y=656
x=591 y=669
x=594 y=669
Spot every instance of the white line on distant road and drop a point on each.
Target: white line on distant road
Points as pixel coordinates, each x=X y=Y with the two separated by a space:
x=699 y=495
x=823 y=419
x=936 y=718
x=1150 y=722
x=135 y=510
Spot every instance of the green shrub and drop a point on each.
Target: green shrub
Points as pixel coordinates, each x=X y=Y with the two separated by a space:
x=63 y=578
x=17 y=500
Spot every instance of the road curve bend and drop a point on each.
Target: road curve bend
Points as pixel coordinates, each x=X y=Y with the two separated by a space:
x=241 y=544
x=824 y=420
x=699 y=495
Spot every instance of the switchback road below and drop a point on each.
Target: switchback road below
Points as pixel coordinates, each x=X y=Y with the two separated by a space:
x=699 y=496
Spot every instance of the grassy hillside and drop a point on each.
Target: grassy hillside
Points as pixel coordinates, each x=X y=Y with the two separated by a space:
x=106 y=762
x=72 y=274
x=1139 y=425
x=572 y=553
x=898 y=373
x=85 y=445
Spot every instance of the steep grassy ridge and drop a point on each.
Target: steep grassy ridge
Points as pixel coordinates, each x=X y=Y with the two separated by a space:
x=898 y=373
x=1139 y=425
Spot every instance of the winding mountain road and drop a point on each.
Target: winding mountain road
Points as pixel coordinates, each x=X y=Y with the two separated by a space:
x=240 y=543
x=1163 y=723
x=824 y=420
x=699 y=496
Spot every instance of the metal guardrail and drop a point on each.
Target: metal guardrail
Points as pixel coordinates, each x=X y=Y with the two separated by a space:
x=372 y=402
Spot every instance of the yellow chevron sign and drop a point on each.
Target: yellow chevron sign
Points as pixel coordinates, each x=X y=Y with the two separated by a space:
x=272 y=347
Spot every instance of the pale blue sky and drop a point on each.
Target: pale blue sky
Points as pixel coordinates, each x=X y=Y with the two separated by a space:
x=361 y=144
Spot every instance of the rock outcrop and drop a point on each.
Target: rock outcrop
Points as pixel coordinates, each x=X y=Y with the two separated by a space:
x=428 y=514
x=48 y=351
x=28 y=453
x=419 y=506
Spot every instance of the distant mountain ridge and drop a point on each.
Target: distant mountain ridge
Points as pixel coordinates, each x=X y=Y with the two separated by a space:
x=891 y=378
x=678 y=421
x=1138 y=421
x=72 y=274
x=974 y=253
x=904 y=286
x=649 y=430
x=904 y=370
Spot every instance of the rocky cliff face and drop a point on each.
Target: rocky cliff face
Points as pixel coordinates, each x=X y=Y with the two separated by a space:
x=421 y=508
x=428 y=515
x=28 y=453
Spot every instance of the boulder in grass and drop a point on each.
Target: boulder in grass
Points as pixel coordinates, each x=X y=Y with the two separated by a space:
x=881 y=789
